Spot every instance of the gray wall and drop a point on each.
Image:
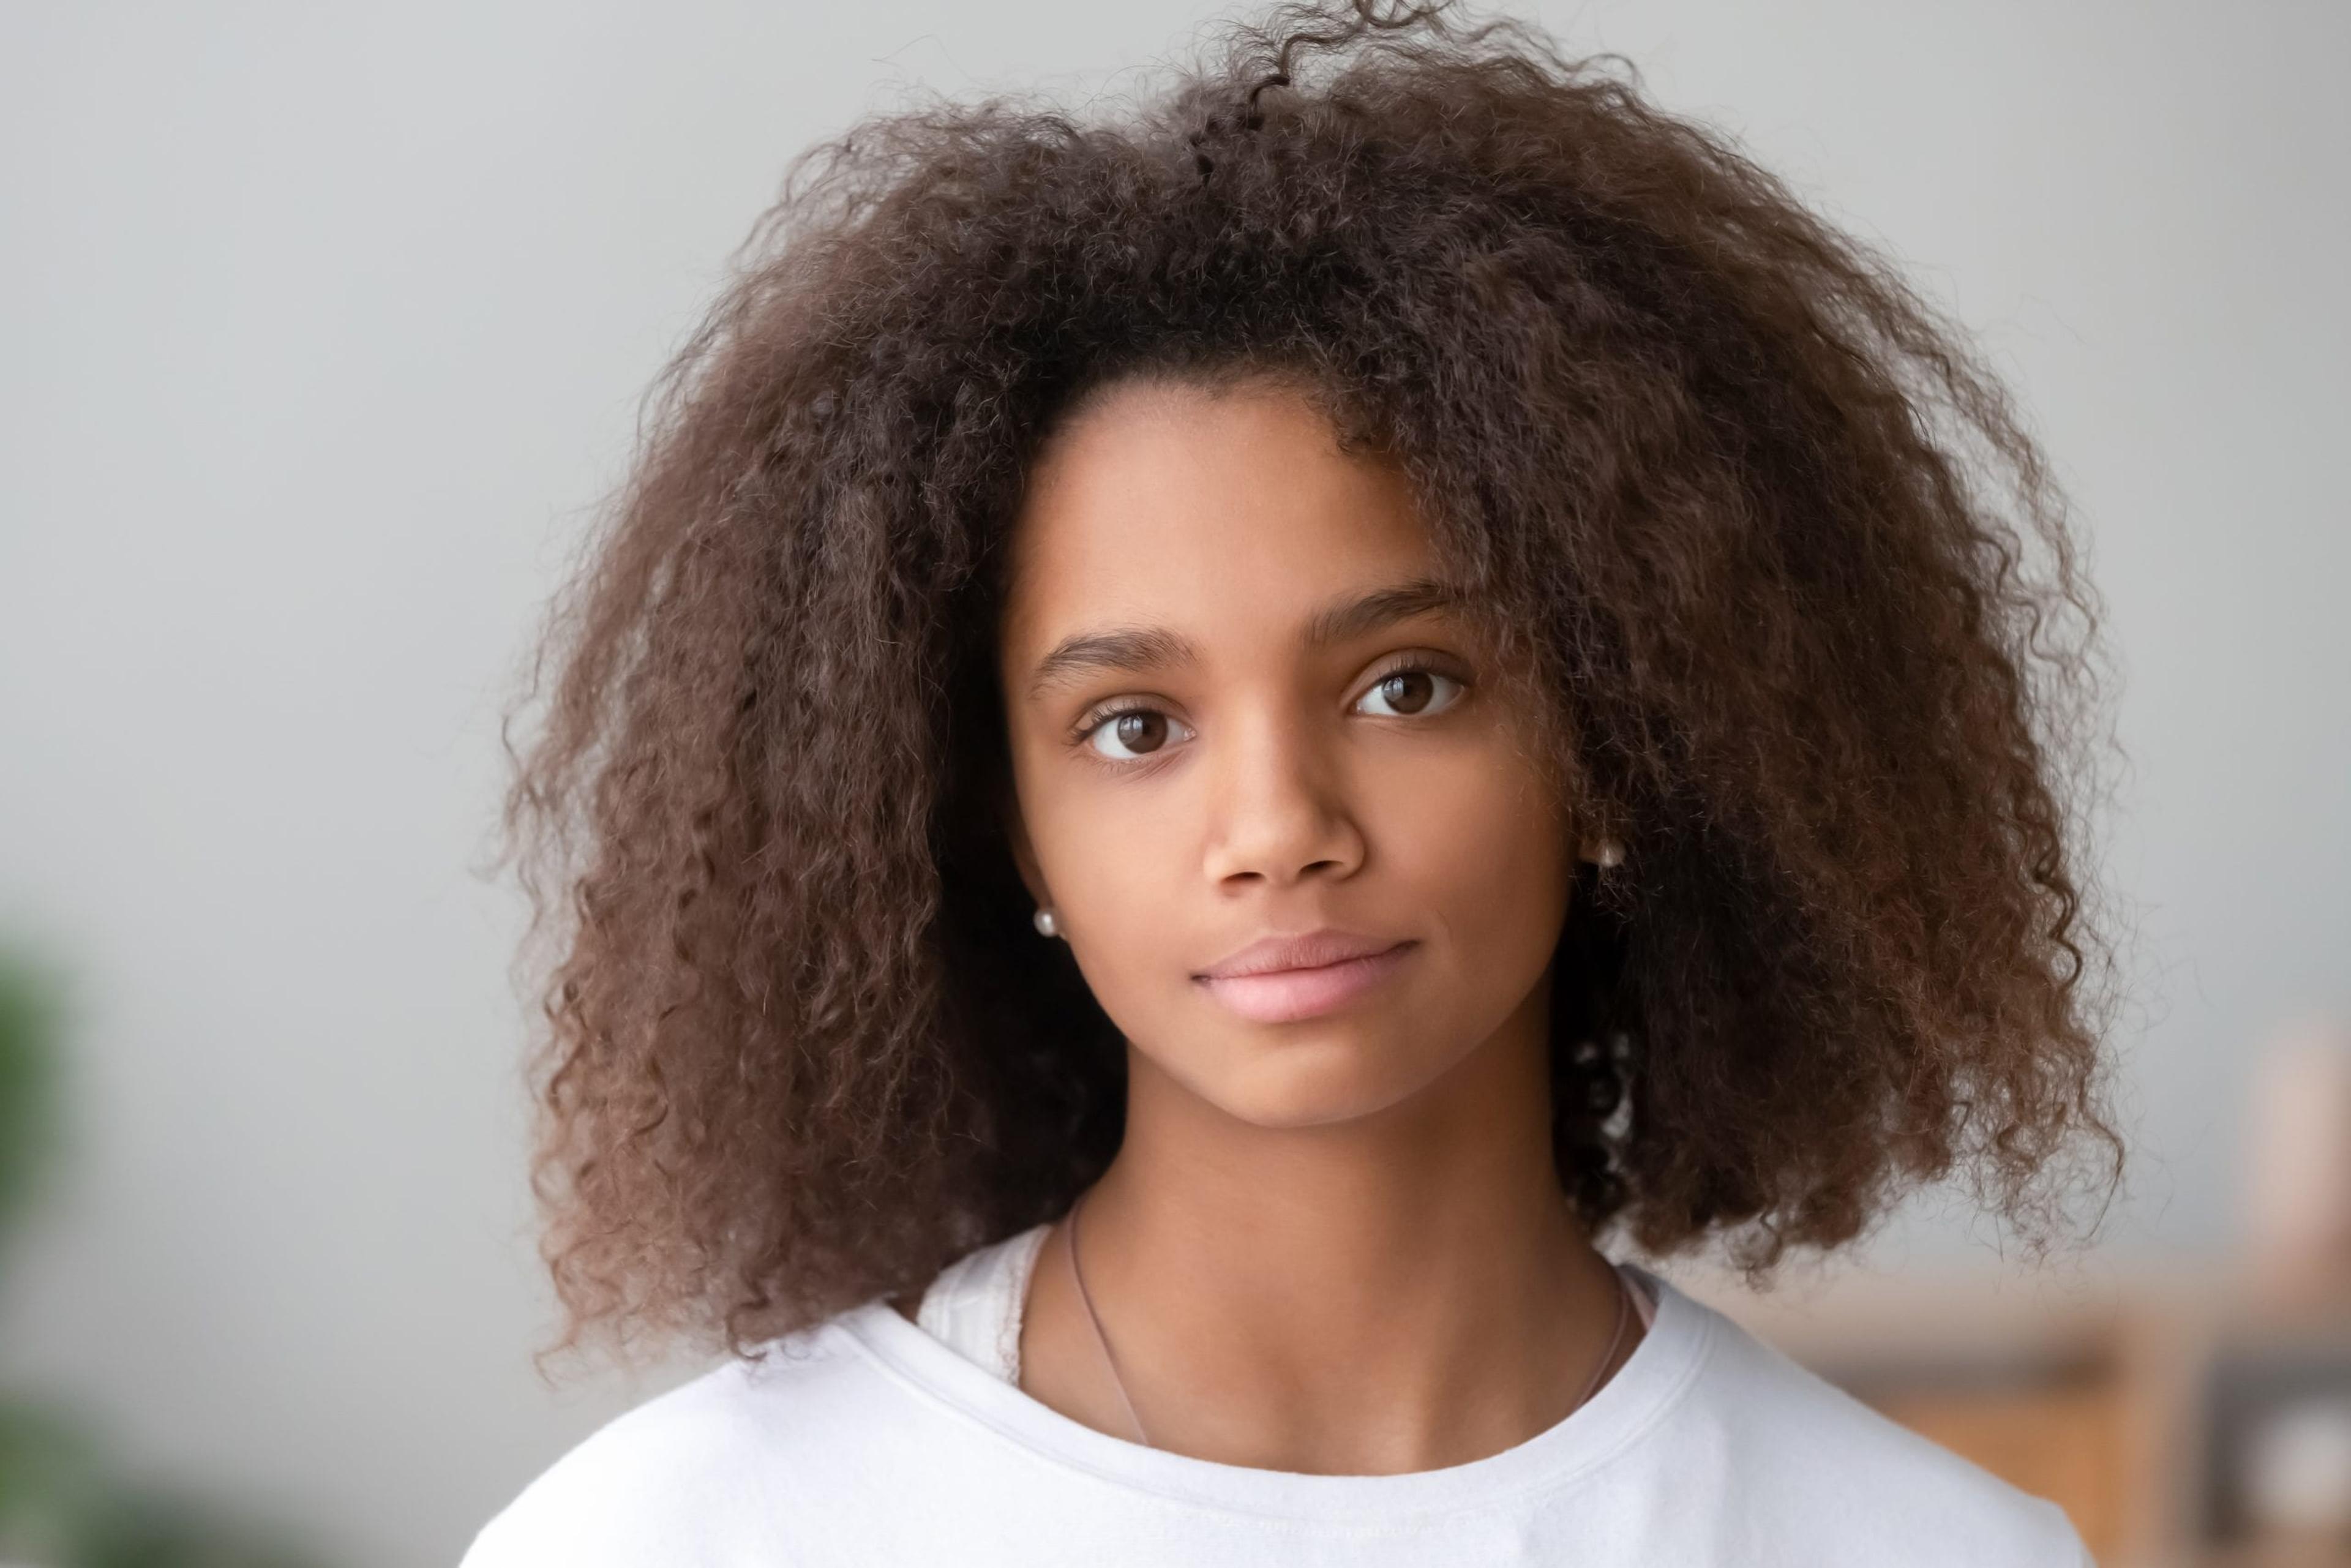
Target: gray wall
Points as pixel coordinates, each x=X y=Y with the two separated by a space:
x=321 y=327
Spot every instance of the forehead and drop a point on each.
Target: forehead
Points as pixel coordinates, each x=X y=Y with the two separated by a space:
x=1222 y=511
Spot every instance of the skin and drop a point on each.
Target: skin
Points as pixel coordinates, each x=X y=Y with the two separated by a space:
x=1331 y=1245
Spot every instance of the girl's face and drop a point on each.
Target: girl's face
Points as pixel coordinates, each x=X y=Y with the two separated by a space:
x=1241 y=708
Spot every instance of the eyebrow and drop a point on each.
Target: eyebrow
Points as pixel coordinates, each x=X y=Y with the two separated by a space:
x=1139 y=648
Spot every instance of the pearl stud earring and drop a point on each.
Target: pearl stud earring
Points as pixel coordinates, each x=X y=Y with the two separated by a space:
x=1046 y=925
x=1610 y=852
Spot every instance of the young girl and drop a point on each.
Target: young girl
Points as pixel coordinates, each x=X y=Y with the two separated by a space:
x=1204 y=750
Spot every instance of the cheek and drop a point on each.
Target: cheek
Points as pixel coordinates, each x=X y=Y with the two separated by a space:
x=1484 y=853
x=1116 y=859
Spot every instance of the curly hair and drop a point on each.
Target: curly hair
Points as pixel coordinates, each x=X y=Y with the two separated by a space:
x=1812 y=636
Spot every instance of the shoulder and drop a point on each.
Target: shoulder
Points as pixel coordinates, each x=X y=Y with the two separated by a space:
x=699 y=1473
x=1811 y=1460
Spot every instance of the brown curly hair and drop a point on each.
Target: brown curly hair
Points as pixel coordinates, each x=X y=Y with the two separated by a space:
x=1810 y=628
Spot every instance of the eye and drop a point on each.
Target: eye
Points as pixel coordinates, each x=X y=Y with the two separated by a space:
x=1141 y=730
x=1414 y=690
x=1135 y=733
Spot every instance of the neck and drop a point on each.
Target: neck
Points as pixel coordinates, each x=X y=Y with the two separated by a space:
x=1400 y=1292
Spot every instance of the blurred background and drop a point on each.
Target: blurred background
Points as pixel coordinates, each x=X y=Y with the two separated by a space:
x=321 y=333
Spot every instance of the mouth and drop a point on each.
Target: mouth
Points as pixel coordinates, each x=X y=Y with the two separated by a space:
x=1283 y=995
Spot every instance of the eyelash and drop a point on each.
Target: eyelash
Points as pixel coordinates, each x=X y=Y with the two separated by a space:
x=1081 y=736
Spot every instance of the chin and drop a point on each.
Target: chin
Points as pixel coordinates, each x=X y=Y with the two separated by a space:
x=1311 y=1082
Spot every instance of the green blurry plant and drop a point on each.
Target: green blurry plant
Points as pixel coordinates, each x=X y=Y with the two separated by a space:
x=62 y=1503
x=29 y=1015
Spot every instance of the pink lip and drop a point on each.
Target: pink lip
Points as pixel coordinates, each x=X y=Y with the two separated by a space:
x=1251 y=985
x=1305 y=950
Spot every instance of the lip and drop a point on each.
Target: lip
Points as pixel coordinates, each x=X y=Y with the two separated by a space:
x=1277 y=979
x=1303 y=950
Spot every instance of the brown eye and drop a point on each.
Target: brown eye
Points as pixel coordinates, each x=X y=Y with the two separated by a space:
x=1408 y=691
x=1412 y=691
x=1141 y=731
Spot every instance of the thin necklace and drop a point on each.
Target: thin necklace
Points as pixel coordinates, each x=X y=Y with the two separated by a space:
x=1624 y=1311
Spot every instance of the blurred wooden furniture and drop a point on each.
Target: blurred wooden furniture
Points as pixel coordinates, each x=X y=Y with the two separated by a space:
x=2124 y=1393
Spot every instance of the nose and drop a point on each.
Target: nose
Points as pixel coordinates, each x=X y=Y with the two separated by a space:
x=1277 y=809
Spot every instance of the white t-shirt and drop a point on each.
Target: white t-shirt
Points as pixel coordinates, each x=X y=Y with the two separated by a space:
x=868 y=1439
